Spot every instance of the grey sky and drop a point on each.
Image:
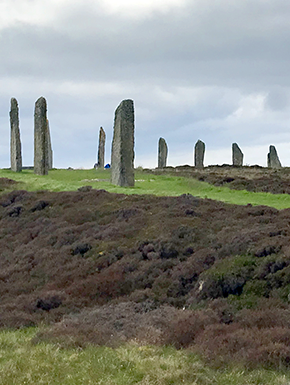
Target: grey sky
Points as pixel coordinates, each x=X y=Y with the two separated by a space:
x=201 y=69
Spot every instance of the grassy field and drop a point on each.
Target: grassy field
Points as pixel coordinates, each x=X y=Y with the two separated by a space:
x=22 y=362
x=69 y=180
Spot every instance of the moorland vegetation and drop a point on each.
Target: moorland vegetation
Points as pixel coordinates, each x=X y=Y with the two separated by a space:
x=130 y=271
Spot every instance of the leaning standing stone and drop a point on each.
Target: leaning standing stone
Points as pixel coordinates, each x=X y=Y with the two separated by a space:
x=162 y=153
x=199 y=150
x=273 y=159
x=40 y=138
x=15 y=143
x=101 y=150
x=49 y=148
x=122 y=157
x=237 y=154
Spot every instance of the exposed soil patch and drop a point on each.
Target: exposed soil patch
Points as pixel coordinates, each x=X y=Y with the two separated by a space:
x=250 y=178
x=141 y=260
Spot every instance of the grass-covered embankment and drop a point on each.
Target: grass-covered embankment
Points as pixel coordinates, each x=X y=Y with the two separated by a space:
x=161 y=185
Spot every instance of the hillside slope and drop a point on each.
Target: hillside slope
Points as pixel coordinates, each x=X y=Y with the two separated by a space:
x=131 y=264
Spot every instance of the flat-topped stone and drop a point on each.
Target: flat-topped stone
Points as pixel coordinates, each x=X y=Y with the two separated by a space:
x=122 y=156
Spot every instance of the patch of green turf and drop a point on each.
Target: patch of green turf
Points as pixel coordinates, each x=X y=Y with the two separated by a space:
x=162 y=185
x=21 y=363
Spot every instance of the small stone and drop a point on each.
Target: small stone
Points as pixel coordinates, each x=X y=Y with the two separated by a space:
x=273 y=159
x=101 y=150
x=162 y=153
x=199 y=151
x=237 y=155
x=40 y=138
x=15 y=143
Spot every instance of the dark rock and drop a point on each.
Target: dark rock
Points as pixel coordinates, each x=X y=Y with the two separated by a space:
x=82 y=249
x=85 y=188
x=40 y=205
x=48 y=303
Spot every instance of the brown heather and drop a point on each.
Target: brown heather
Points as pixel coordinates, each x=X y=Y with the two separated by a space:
x=109 y=268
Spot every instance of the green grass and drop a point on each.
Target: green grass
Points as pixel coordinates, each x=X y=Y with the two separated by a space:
x=21 y=363
x=69 y=180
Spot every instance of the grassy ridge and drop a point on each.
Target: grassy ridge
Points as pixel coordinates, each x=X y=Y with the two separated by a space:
x=162 y=185
x=21 y=362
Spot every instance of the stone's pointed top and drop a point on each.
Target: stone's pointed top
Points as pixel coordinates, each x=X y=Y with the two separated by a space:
x=102 y=131
x=40 y=101
x=126 y=109
x=14 y=102
x=127 y=101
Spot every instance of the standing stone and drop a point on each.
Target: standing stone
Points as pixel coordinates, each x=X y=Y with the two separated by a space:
x=122 y=157
x=15 y=143
x=273 y=159
x=162 y=153
x=101 y=150
x=40 y=138
x=49 y=148
x=199 y=150
x=237 y=154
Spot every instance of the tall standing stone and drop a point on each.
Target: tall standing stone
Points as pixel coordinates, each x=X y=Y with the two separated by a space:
x=199 y=150
x=40 y=138
x=101 y=150
x=273 y=159
x=49 y=148
x=15 y=143
x=122 y=157
x=162 y=153
x=237 y=154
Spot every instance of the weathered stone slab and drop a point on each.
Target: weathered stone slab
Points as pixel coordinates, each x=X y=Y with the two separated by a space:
x=49 y=148
x=162 y=153
x=237 y=155
x=199 y=151
x=15 y=143
x=122 y=157
x=101 y=150
x=40 y=137
x=273 y=159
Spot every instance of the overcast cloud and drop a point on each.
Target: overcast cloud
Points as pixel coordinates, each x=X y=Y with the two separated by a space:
x=196 y=69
